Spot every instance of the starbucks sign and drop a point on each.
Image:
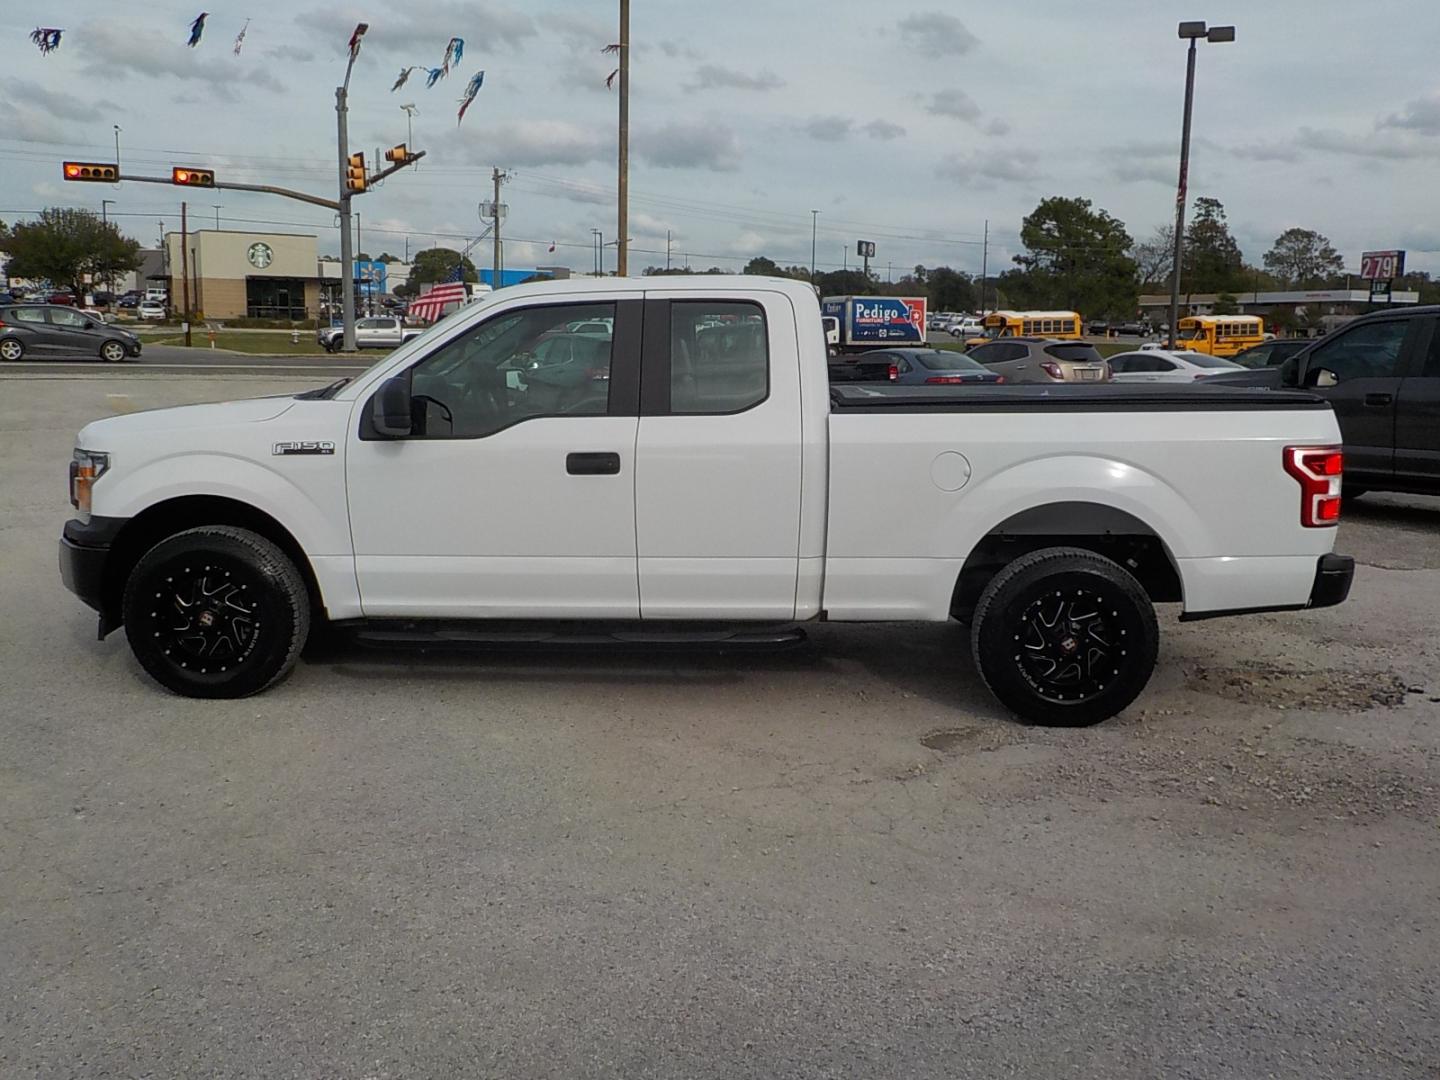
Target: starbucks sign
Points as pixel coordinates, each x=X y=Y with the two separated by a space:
x=260 y=255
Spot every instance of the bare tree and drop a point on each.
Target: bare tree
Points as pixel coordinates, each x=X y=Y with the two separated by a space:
x=1153 y=258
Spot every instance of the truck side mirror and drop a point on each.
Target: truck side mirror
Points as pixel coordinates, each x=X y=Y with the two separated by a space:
x=391 y=409
x=1323 y=379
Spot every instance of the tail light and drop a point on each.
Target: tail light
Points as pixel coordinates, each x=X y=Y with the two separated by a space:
x=1052 y=369
x=1319 y=469
x=999 y=379
x=894 y=372
x=945 y=380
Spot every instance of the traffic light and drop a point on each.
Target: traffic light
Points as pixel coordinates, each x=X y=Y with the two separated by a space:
x=93 y=172
x=192 y=177
x=355 y=180
x=398 y=153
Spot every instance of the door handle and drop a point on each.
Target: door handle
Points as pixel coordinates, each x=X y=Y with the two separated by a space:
x=592 y=464
x=1379 y=401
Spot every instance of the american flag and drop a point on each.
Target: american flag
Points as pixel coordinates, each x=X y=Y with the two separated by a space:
x=450 y=291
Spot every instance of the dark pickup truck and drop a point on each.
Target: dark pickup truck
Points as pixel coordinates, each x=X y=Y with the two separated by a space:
x=1381 y=375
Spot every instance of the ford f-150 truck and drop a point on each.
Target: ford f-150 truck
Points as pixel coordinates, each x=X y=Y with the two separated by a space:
x=665 y=459
x=379 y=332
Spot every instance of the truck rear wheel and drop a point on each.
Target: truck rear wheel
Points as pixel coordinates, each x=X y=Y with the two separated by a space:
x=1065 y=637
x=216 y=612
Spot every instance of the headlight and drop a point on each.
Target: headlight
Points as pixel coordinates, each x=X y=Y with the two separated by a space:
x=86 y=467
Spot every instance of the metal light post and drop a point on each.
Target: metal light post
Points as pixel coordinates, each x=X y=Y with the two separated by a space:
x=622 y=245
x=104 y=220
x=409 y=110
x=814 y=226
x=1191 y=31
x=347 y=251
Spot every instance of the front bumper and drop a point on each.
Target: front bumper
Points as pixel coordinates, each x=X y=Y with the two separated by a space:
x=132 y=348
x=84 y=556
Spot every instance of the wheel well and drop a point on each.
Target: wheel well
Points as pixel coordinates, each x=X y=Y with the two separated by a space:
x=1118 y=536
x=164 y=519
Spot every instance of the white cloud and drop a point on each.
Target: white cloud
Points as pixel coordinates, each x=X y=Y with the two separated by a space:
x=117 y=48
x=1013 y=165
x=827 y=128
x=419 y=33
x=954 y=103
x=1380 y=145
x=1421 y=115
x=883 y=130
x=689 y=145
x=539 y=142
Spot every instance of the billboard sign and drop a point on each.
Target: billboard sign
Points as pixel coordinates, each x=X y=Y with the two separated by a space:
x=865 y=249
x=887 y=319
x=370 y=277
x=1382 y=265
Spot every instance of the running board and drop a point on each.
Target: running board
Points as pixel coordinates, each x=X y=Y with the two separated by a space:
x=420 y=635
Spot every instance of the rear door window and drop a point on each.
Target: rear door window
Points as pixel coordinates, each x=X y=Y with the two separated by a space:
x=719 y=357
x=30 y=314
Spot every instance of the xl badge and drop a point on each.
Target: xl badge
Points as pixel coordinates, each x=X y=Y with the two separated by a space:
x=306 y=447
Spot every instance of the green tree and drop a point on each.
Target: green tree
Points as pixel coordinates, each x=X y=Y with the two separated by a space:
x=64 y=245
x=844 y=283
x=763 y=267
x=1075 y=258
x=1304 y=259
x=1212 y=262
x=437 y=263
x=1226 y=304
x=950 y=290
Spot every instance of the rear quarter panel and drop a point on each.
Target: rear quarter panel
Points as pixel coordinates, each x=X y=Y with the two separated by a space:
x=1210 y=484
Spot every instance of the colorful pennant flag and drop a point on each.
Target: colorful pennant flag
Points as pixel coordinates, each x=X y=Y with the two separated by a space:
x=470 y=91
x=402 y=78
x=433 y=76
x=196 y=29
x=454 y=50
x=46 y=39
x=360 y=29
x=240 y=40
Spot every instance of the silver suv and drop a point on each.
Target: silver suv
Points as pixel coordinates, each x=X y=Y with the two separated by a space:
x=1042 y=360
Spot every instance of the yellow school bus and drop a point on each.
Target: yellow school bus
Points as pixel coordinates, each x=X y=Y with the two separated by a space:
x=1220 y=335
x=1050 y=324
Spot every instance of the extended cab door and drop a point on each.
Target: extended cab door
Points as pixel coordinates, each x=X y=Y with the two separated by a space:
x=515 y=496
x=718 y=459
x=1417 y=417
x=1367 y=361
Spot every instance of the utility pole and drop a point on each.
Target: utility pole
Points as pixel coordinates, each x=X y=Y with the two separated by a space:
x=667 y=249
x=622 y=243
x=497 y=176
x=185 y=265
x=984 y=265
x=105 y=273
x=347 y=253
x=218 y=207
x=814 y=227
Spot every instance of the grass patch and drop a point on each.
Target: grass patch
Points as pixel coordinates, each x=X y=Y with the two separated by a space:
x=276 y=344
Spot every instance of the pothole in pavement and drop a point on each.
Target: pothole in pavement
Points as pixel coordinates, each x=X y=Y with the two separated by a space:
x=948 y=740
x=1276 y=687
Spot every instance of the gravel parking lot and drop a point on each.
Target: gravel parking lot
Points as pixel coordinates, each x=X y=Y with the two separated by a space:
x=841 y=860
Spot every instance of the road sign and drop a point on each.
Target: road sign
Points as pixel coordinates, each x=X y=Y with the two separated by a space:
x=865 y=248
x=1382 y=265
x=1380 y=290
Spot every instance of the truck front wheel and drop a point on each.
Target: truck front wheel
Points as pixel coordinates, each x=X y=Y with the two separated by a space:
x=216 y=612
x=1065 y=637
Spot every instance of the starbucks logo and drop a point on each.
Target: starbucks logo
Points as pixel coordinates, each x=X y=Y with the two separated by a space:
x=260 y=255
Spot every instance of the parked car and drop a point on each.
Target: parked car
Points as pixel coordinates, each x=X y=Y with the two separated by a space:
x=128 y=303
x=150 y=309
x=925 y=367
x=432 y=498
x=378 y=332
x=1270 y=353
x=45 y=329
x=1380 y=372
x=1131 y=328
x=1042 y=360
x=968 y=327
x=1160 y=365
x=63 y=297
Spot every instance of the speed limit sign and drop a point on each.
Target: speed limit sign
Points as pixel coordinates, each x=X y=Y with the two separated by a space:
x=1382 y=265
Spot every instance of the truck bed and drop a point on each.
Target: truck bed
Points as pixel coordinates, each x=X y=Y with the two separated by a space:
x=884 y=398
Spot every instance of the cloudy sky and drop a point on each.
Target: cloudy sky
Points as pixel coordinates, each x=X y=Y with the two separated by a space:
x=908 y=122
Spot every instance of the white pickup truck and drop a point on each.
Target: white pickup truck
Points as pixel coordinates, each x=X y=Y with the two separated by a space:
x=378 y=332
x=665 y=459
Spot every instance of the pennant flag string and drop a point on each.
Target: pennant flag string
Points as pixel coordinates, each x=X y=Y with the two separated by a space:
x=434 y=76
x=240 y=40
x=610 y=79
x=454 y=50
x=470 y=91
x=197 y=28
x=403 y=78
x=46 y=39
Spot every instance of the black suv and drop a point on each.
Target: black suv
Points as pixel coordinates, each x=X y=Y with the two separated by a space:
x=39 y=329
x=1381 y=375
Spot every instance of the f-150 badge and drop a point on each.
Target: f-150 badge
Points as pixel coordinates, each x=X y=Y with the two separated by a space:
x=306 y=447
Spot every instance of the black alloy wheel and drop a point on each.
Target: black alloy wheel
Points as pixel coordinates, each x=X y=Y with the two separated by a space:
x=216 y=612
x=1065 y=637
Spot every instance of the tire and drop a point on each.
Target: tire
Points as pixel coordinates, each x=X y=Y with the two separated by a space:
x=11 y=349
x=1012 y=641
x=216 y=612
x=113 y=352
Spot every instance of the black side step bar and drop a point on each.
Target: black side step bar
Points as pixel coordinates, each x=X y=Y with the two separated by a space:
x=385 y=634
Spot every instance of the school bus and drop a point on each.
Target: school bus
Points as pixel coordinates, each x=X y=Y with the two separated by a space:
x=1051 y=324
x=1220 y=335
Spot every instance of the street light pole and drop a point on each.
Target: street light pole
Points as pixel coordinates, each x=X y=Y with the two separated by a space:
x=1193 y=31
x=814 y=226
x=347 y=251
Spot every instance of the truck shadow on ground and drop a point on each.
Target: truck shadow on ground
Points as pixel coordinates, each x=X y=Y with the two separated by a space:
x=929 y=661
x=1419 y=511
